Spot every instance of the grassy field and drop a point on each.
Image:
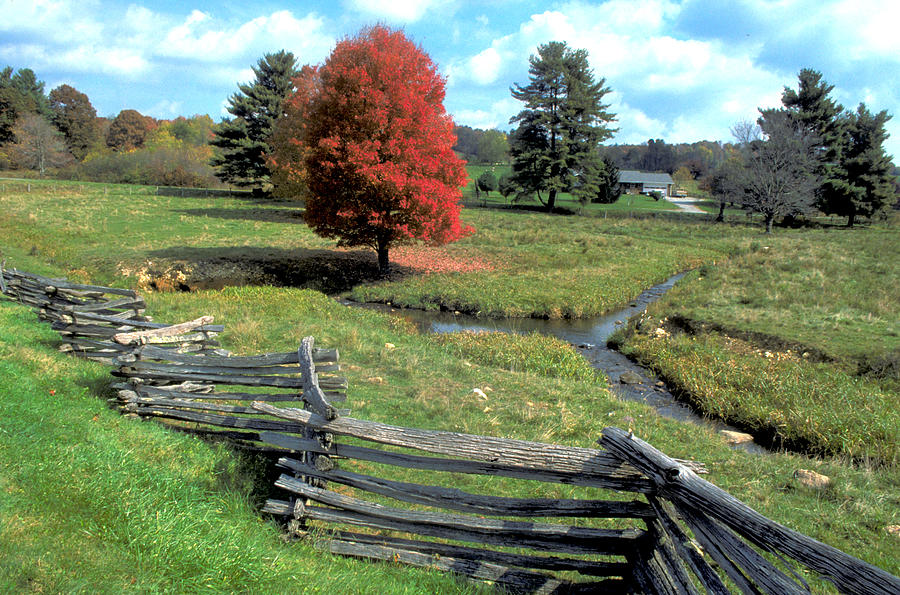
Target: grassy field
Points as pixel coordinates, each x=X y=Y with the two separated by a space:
x=88 y=495
x=798 y=340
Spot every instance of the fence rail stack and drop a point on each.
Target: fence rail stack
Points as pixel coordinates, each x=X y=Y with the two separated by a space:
x=210 y=394
x=88 y=317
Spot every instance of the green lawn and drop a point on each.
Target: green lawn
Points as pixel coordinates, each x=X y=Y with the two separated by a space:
x=88 y=495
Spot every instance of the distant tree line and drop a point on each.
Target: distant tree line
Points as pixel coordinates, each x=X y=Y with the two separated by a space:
x=482 y=147
x=60 y=132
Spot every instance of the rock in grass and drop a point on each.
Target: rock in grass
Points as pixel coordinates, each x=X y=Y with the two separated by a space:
x=630 y=377
x=734 y=438
x=812 y=480
x=893 y=530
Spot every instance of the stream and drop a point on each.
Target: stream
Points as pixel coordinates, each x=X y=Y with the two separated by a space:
x=589 y=337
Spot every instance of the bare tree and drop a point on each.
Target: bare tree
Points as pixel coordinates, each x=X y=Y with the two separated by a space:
x=780 y=163
x=39 y=144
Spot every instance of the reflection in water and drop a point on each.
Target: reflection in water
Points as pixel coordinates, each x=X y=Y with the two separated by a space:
x=589 y=336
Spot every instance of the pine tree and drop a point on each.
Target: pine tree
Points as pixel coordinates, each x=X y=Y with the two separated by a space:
x=244 y=139
x=598 y=181
x=563 y=122
x=20 y=94
x=853 y=167
x=828 y=121
x=870 y=183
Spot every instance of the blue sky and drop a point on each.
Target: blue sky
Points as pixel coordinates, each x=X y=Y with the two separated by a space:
x=679 y=70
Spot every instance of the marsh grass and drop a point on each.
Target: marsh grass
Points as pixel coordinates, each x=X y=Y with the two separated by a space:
x=778 y=396
x=804 y=330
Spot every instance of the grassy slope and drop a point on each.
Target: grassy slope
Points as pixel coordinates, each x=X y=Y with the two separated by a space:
x=428 y=384
x=95 y=502
x=142 y=504
x=842 y=302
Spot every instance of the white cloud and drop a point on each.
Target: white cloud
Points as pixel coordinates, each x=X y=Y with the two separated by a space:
x=631 y=46
x=496 y=116
x=485 y=67
x=164 y=109
x=634 y=125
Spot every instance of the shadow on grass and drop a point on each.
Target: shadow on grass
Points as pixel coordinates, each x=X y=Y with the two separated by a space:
x=289 y=213
x=328 y=271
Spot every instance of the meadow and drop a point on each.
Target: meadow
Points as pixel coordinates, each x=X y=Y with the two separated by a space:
x=88 y=495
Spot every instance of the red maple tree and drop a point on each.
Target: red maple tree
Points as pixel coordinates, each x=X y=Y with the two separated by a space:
x=367 y=138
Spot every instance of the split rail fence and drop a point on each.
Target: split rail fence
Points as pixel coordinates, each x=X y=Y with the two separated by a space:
x=88 y=317
x=649 y=523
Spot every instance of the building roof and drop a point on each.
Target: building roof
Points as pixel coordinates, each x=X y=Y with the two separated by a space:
x=630 y=176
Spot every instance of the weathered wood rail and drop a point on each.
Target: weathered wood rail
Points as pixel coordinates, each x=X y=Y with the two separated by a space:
x=676 y=534
x=210 y=394
x=88 y=317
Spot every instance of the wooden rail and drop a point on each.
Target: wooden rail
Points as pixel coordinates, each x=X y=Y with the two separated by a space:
x=677 y=533
x=210 y=394
x=88 y=317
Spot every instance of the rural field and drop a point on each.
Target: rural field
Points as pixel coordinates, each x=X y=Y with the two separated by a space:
x=793 y=337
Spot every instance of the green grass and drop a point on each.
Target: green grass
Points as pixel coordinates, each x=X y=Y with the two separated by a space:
x=94 y=502
x=114 y=497
x=556 y=267
x=779 y=395
x=833 y=295
x=833 y=290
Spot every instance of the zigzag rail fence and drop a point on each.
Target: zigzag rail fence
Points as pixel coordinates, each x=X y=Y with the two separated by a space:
x=649 y=524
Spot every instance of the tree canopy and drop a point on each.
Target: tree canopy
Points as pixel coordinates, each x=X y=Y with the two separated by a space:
x=868 y=168
x=20 y=93
x=38 y=144
x=563 y=122
x=76 y=118
x=367 y=135
x=854 y=169
x=244 y=139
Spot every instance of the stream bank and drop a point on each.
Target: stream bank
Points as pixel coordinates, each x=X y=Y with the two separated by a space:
x=628 y=380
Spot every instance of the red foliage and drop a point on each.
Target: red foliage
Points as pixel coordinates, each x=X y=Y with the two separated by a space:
x=366 y=134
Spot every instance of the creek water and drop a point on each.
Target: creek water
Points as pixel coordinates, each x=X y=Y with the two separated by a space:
x=589 y=336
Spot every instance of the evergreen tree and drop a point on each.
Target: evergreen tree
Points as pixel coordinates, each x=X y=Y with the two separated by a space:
x=871 y=185
x=244 y=139
x=563 y=122
x=598 y=181
x=20 y=93
x=823 y=117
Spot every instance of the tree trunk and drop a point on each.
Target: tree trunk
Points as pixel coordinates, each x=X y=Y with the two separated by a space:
x=384 y=263
x=551 y=201
x=721 y=216
x=769 y=220
x=851 y=219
